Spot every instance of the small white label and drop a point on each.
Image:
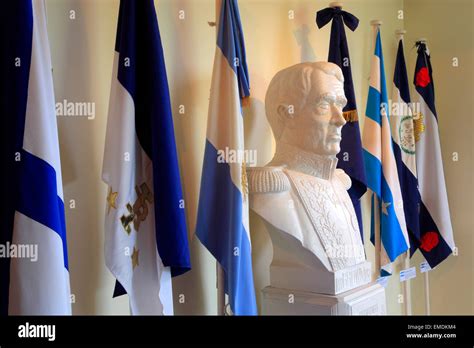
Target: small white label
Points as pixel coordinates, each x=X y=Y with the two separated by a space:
x=425 y=267
x=407 y=274
x=383 y=281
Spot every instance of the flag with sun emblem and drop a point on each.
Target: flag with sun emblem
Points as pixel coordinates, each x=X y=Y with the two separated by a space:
x=403 y=136
x=145 y=228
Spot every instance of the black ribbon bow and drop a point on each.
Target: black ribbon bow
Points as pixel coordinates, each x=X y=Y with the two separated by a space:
x=324 y=16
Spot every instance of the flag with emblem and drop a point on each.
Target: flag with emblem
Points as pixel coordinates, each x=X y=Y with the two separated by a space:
x=145 y=228
x=223 y=215
x=436 y=232
x=381 y=166
x=403 y=136
x=351 y=155
x=34 y=268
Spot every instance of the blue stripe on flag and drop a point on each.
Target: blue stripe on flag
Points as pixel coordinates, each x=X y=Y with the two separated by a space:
x=373 y=168
x=220 y=229
x=38 y=196
x=230 y=40
x=391 y=233
x=373 y=105
x=138 y=39
x=378 y=51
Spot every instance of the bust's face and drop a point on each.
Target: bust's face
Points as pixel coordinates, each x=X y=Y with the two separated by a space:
x=317 y=126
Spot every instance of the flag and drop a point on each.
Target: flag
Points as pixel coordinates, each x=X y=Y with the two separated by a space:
x=381 y=166
x=350 y=157
x=223 y=215
x=403 y=136
x=145 y=227
x=34 y=263
x=436 y=232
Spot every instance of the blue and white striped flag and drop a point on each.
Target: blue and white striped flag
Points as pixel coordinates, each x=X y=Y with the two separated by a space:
x=145 y=227
x=403 y=136
x=381 y=167
x=223 y=216
x=39 y=284
x=436 y=232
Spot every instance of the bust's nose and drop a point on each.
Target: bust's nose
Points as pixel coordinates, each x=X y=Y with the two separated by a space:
x=337 y=117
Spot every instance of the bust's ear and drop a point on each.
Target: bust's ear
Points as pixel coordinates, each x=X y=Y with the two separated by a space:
x=286 y=113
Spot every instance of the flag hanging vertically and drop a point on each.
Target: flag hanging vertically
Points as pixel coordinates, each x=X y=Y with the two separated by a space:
x=350 y=157
x=34 y=273
x=381 y=167
x=403 y=136
x=223 y=217
x=436 y=232
x=145 y=227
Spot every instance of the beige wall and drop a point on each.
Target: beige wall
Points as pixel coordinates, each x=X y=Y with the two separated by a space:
x=82 y=51
x=449 y=28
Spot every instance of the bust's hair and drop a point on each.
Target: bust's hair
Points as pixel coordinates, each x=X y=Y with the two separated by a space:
x=297 y=79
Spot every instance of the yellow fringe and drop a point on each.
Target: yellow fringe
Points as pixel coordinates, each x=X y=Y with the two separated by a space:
x=418 y=125
x=245 y=101
x=351 y=116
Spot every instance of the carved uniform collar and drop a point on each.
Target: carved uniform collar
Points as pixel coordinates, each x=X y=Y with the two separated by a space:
x=293 y=158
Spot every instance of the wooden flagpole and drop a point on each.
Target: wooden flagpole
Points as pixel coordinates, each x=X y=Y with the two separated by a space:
x=426 y=278
x=406 y=285
x=378 y=243
x=220 y=275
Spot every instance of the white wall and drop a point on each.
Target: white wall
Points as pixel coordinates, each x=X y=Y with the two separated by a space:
x=82 y=51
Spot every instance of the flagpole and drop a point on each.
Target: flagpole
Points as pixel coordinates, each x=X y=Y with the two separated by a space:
x=406 y=257
x=427 y=293
x=220 y=283
x=335 y=4
x=378 y=243
x=426 y=279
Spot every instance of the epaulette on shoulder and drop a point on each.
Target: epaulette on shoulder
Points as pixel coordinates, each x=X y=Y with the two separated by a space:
x=267 y=180
x=344 y=178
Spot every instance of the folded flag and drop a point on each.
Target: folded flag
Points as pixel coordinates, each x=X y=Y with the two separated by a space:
x=35 y=276
x=403 y=135
x=381 y=166
x=350 y=157
x=145 y=227
x=436 y=233
x=223 y=215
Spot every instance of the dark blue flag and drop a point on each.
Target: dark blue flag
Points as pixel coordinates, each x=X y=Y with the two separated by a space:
x=351 y=155
x=403 y=137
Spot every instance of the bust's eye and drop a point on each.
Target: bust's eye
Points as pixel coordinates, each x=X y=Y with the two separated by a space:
x=323 y=105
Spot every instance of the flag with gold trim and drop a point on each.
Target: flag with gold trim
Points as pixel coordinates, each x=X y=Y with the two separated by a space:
x=145 y=228
x=350 y=157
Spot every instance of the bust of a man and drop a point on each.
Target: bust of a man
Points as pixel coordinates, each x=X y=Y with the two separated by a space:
x=300 y=192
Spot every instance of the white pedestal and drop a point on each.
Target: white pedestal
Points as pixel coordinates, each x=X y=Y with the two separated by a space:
x=365 y=300
x=317 y=280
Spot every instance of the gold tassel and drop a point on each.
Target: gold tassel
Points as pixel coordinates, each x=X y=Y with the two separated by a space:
x=351 y=116
x=418 y=125
x=245 y=102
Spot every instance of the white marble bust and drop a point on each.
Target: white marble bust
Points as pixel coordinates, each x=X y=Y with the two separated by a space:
x=300 y=192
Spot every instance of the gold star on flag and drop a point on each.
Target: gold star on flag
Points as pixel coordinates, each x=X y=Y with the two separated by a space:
x=385 y=205
x=135 y=257
x=111 y=199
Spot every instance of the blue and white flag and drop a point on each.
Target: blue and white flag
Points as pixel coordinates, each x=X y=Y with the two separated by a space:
x=223 y=215
x=403 y=136
x=34 y=264
x=381 y=166
x=436 y=232
x=145 y=227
